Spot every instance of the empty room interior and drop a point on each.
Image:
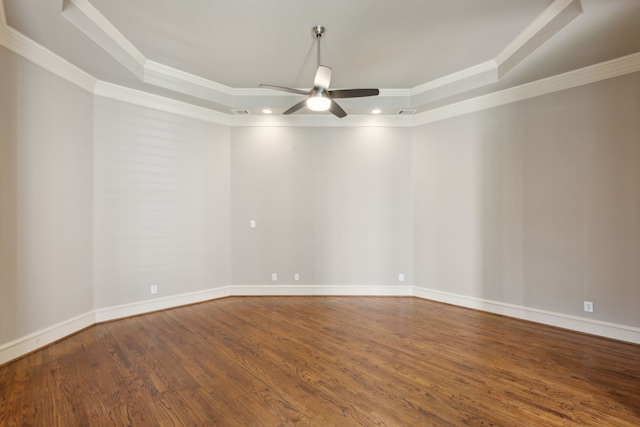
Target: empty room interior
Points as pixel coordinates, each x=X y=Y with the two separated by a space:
x=361 y=213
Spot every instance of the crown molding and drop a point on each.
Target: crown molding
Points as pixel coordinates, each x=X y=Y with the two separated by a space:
x=553 y=19
x=321 y=120
x=189 y=84
x=92 y=23
x=89 y=20
x=158 y=68
x=36 y=53
x=3 y=17
x=48 y=60
x=537 y=25
x=594 y=73
x=466 y=74
x=461 y=81
x=262 y=92
x=145 y=99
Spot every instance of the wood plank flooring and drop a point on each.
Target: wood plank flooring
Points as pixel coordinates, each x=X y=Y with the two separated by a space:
x=324 y=361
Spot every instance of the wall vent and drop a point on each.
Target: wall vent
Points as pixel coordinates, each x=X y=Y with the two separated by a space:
x=407 y=112
x=240 y=112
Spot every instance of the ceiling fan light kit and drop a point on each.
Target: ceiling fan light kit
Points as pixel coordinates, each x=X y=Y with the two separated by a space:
x=318 y=102
x=320 y=98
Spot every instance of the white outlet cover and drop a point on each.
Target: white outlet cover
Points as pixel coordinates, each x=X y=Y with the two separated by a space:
x=588 y=306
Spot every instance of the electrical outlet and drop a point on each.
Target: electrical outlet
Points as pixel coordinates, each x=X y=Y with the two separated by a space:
x=274 y=277
x=252 y=223
x=296 y=277
x=588 y=306
x=400 y=277
x=154 y=289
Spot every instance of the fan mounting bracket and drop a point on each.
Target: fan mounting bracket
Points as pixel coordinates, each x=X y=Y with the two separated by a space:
x=318 y=31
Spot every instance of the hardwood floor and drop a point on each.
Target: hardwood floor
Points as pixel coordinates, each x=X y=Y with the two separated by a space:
x=324 y=361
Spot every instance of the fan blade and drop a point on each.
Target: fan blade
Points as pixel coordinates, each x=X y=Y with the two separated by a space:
x=337 y=110
x=323 y=77
x=286 y=89
x=296 y=107
x=353 y=93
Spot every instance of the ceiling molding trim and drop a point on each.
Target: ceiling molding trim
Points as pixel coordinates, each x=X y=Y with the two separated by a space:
x=594 y=73
x=461 y=81
x=34 y=52
x=395 y=93
x=180 y=81
x=91 y=22
x=98 y=28
x=84 y=16
x=321 y=120
x=553 y=19
x=39 y=55
x=389 y=100
x=454 y=78
x=262 y=92
x=3 y=16
x=144 y=99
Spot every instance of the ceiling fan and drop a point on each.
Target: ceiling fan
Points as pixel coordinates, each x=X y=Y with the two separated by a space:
x=320 y=98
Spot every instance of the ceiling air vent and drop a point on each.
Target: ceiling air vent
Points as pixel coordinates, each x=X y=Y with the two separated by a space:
x=240 y=112
x=407 y=112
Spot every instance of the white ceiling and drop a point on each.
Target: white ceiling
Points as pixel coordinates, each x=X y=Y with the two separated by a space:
x=399 y=44
x=421 y=53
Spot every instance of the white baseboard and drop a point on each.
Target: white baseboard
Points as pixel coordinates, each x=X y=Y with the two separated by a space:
x=148 y=306
x=574 y=323
x=29 y=343
x=324 y=290
x=32 y=342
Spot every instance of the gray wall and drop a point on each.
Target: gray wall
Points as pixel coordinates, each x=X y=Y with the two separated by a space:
x=45 y=199
x=536 y=203
x=331 y=204
x=161 y=204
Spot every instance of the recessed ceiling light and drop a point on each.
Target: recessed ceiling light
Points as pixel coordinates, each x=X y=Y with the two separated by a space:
x=376 y=111
x=267 y=111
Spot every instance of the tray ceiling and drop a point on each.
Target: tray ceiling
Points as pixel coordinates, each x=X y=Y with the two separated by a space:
x=422 y=54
